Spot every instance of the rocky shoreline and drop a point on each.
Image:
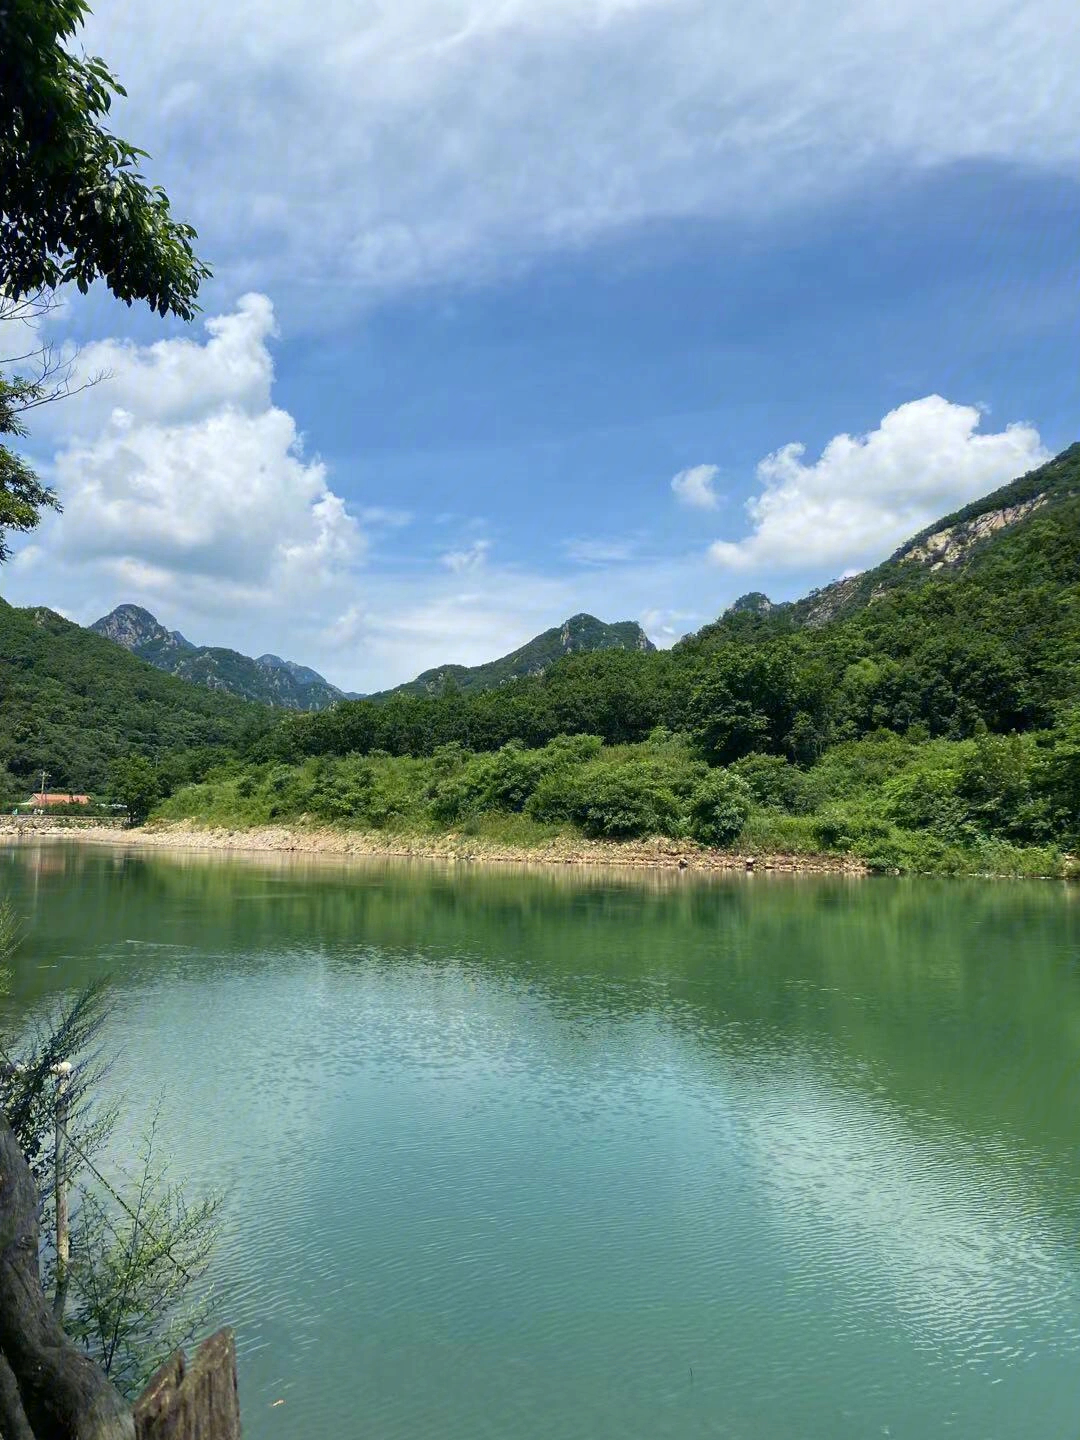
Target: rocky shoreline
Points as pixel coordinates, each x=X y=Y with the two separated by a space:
x=655 y=854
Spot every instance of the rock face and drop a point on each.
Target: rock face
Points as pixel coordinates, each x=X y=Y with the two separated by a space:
x=754 y=603
x=947 y=546
x=138 y=631
x=269 y=678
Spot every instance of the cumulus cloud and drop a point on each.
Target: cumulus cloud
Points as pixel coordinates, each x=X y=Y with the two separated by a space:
x=188 y=490
x=695 y=487
x=380 y=146
x=866 y=494
x=180 y=476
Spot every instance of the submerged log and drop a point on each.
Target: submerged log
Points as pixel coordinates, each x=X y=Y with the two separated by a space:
x=49 y=1389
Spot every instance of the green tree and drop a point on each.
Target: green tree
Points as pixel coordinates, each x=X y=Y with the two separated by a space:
x=74 y=207
x=22 y=495
x=136 y=784
x=73 y=203
x=719 y=808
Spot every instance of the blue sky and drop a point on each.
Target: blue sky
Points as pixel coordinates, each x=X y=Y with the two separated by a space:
x=520 y=309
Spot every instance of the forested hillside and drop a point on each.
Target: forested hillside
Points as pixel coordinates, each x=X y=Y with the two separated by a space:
x=923 y=711
x=917 y=715
x=991 y=639
x=72 y=702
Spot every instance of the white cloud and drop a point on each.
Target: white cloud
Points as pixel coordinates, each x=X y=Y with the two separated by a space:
x=695 y=487
x=599 y=552
x=472 y=557
x=664 y=626
x=174 y=380
x=182 y=480
x=869 y=493
x=379 y=146
x=188 y=490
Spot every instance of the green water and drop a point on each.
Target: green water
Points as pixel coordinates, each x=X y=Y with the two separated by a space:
x=530 y=1155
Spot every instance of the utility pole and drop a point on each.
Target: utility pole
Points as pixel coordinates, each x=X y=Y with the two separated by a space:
x=44 y=774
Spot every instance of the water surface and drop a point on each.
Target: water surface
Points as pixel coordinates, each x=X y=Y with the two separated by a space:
x=527 y=1155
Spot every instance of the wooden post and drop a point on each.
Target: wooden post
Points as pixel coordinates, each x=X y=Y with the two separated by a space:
x=196 y=1402
x=63 y=1232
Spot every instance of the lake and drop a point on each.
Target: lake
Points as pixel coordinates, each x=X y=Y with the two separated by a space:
x=552 y=1156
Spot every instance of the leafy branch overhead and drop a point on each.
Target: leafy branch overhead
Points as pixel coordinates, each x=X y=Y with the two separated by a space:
x=74 y=205
x=22 y=495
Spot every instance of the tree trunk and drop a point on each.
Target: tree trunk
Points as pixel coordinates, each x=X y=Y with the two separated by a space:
x=193 y=1402
x=62 y=1393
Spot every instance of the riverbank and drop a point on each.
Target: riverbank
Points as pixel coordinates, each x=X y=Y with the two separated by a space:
x=656 y=854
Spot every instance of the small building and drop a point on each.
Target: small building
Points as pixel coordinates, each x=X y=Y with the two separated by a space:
x=54 y=797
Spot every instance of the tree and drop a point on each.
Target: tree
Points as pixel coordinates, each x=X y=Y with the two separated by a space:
x=136 y=784
x=73 y=204
x=719 y=808
x=73 y=208
x=22 y=495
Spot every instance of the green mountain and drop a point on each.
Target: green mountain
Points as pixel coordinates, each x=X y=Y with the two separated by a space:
x=72 y=701
x=960 y=544
x=924 y=715
x=973 y=623
x=268 y=679
x=579 y=634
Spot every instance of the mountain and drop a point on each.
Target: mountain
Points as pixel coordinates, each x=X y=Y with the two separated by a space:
x=579 y=633
x=963 y=542
x=972 y=625
x=72 y=701
x=269 y=679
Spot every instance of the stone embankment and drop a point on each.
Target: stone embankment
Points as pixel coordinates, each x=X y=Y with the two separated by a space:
x=656 y=854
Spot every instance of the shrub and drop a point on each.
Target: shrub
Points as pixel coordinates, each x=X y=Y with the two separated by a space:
x=776 y=783
x=608 y=800
x=922 y=799
x=719 y=807
x=504 y=780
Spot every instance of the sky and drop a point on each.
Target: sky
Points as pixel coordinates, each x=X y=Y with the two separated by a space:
x=523 y=308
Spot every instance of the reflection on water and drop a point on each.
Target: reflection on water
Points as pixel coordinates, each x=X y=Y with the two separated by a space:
x=586 y=1155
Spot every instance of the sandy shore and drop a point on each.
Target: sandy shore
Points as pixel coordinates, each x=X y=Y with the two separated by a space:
x=657 y=854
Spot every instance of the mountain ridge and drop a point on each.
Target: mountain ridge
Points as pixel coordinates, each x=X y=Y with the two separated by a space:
x=288 y=685
x=580 y=632
x=269 y=679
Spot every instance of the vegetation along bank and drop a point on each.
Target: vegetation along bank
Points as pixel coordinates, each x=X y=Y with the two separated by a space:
x=923 y=716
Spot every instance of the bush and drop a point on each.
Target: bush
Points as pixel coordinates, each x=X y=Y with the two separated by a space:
x=775 y=783
x=608 y=800
x=922 y=799
x=500 y=781
x=719 y=807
